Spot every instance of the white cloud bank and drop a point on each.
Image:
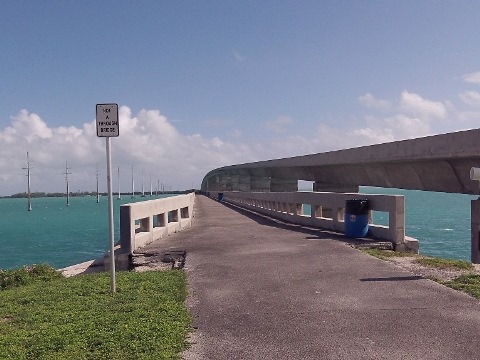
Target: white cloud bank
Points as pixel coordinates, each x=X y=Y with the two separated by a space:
x=147 y=141
x=409 y=116
x=150 y=143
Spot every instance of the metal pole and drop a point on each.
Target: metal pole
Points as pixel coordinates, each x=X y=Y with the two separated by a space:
x=475 y=230
x=110 y=216
x=28 y=181
x=118 y=180
x=66 y=179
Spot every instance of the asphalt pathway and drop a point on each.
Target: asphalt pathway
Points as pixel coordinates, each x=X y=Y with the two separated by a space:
x=260 y=289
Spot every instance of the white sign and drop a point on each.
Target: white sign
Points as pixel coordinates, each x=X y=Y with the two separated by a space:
x=107 y=120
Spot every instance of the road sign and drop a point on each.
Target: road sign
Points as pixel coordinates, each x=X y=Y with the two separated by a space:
x=107 y=120
x=107 y=127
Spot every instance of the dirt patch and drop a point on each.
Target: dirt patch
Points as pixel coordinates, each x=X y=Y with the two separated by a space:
x=166 y=260
x=7 y=319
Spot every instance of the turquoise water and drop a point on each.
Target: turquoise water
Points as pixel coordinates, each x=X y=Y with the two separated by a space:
x=440 y=221
x=54 y=233
x=61 y=236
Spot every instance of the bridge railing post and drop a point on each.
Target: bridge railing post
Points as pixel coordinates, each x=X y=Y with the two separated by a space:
x=475 y=228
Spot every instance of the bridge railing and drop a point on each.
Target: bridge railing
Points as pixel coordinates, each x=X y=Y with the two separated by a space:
x=144 y=222
x=328 y=211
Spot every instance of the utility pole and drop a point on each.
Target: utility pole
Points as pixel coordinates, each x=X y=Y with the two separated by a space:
x=118 y=180
x=28 y=182
x=143 y=191
x=98 y=194
x=133 y=185
x=66 y=179
x=151 y=189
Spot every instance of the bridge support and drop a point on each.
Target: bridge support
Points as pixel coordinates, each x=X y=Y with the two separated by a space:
x=338 y=188
x=244 y=183
x=475 y=228
x=283 y=185
x=213 y=183
x=260 y=183
x=232 y=182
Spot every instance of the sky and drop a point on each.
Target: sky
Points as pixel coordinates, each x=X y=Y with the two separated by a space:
x=204 y=84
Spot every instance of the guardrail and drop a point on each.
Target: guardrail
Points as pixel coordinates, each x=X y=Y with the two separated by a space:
x=144 y=222
x=327 y=211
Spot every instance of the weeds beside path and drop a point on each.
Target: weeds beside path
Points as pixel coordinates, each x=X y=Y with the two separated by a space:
x=456 y=274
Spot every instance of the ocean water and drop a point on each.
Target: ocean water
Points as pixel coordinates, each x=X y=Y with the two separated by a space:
x=440 y=221
x=56 y=234
x=61 y=236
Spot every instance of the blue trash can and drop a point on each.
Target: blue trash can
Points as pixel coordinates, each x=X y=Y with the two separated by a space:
x=356 y=218
x=220 y=196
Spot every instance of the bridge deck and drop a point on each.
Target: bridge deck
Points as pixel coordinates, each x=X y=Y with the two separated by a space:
x=263 y=290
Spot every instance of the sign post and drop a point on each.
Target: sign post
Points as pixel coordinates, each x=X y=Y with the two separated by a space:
x=107 y=126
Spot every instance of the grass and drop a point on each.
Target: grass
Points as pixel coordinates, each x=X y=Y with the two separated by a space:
x=468 y=283
x=445 y=264
x=54 y=317
x=385 y=254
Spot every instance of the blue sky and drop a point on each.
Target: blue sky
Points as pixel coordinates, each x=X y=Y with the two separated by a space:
x=202 y=84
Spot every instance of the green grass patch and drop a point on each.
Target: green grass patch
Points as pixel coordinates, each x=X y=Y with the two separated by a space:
x=78 y=317
x=27 y=275
x=385 y=254
x=469 y=283
x=445 y=264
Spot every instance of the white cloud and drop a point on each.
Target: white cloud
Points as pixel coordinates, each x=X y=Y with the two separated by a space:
x=236 y=133
x=240 y=58
x=30 y=126
x=373 y=131
x=409 y=117
x=471 y=98
x=370 y=101
x=473 y=78
x=279 y=125
x=416 y=105
x=409 y=103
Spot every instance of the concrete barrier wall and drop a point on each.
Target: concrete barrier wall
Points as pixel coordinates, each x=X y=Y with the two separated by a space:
x=327 y=211
x=144 y=222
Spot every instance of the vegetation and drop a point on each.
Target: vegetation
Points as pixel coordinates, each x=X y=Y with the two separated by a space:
x=469 y=283
x=54 y=317
x=41 y=194
x=445 y=264
x=27 y=275
x=385 y=254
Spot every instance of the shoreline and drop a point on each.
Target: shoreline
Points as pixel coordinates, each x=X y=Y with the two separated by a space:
x=84 y=268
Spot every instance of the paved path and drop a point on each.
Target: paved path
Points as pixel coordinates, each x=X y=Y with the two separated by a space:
x=263 y=290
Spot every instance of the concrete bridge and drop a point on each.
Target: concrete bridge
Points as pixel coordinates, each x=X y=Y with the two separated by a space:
x=435 y=163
